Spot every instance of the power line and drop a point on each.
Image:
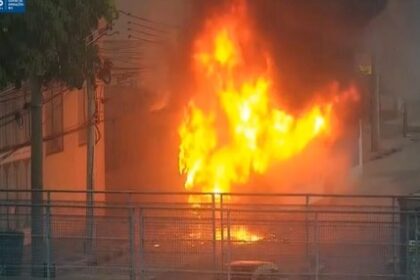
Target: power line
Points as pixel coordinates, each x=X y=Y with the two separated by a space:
x=7 y=90
x=118 y=52
x=147 y=27
x=67 y=131
x=14 y=114
x=45 y=101
x=13 y=97
x=144 y=33
x=110 y=45
x=8 y=154
x=23 y=94
x=7 y=122
x=144 y=40
x=146 y=20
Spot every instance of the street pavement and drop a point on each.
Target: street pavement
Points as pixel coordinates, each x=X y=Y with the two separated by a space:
x=394 y=173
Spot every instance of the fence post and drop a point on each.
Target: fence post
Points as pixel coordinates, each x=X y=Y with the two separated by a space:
x=7 y=209
x=316 y=247
x=416 y=252
x=48 y=235
x=213 y=200
x=394 y=239
x=405 y=119
x=129 y=198
x=229 y=256
x=222 y=233
x=132 y=230
x=306 y=224
x=141 y=245
x=407 y=246
x=90 y=224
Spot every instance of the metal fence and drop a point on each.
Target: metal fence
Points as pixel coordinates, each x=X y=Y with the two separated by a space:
x=162 y=236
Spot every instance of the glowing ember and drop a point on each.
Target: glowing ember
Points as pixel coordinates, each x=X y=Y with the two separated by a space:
x=242 y=234
x=234 y=126
x=237 y=233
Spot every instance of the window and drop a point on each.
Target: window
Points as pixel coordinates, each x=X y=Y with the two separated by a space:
x=21 y=183
x=22 y=119
x=14 y=120
x=82 y=115
x=3 y=141
x=3 y=197
x=54 y=121
x=15 y=175
x=10 y=125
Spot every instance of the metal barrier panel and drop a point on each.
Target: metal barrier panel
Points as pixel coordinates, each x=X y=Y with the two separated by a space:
x=177 y=239
x=307 y=237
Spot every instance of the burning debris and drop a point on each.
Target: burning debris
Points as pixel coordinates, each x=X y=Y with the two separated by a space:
x=236 y=124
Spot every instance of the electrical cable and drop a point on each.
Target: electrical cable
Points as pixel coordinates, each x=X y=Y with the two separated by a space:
x=45 y=101
x=147 y=27
x=8 y=154
x=144 y=33
x=146 y=20
x=143 y=39
x=66 y=131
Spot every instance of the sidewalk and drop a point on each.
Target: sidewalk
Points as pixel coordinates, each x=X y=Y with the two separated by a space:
x=394 y=170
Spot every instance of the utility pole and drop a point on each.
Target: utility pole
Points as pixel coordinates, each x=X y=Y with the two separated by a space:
x=90 y=142
x=360 y=144
x=375 y=95
x=37 y=217
x=90 y=158
x=375 y=110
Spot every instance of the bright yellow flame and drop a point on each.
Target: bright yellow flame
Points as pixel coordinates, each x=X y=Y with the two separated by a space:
x=242 y=234
x=233 y=126
x=224 y=48
x=238 y=234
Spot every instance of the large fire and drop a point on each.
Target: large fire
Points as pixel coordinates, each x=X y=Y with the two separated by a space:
x=234 y=125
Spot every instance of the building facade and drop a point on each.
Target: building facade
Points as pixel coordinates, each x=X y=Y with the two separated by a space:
x=64 y=132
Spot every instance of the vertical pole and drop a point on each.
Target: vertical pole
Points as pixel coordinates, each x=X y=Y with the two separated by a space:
x=229 y=256
x=48 y=235
x=375 y=111
x=306 y=225
x=316 y=247
x=129 y=199
x=37 y=216
x=90 y=153
x=416 y=252
x=214 y=228
x=7 y=207
x=394 y=239
x=141 y=245
x=405 y=119
x=222 y=233
x=360 y=143
x=132 y=230
x=407 y=246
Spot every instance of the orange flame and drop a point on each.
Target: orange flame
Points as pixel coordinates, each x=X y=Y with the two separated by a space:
x=233 y=126
x=242 y=234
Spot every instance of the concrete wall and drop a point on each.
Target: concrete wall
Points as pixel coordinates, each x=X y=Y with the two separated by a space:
x=142 y=146
x=67 y=169
x=140 y=128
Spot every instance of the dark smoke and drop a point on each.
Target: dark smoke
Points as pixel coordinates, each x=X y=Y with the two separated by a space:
x=313 y=42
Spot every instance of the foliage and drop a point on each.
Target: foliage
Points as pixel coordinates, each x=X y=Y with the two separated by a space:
x=49 y=41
